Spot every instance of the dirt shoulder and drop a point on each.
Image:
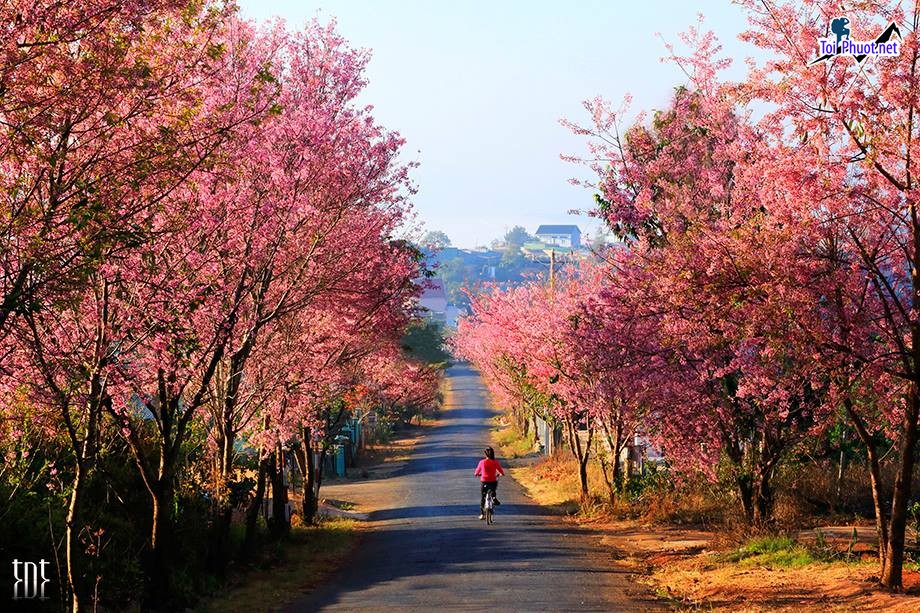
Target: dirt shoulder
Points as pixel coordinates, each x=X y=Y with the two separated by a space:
x=696 y=568
x=366 y=488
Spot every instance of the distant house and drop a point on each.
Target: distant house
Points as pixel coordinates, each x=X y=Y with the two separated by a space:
x=434 y=299
x=560 y=236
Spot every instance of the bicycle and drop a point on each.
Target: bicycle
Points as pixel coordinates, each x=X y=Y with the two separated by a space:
x=490 y=506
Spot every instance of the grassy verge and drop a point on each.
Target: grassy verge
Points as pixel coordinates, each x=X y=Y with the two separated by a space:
x=300 y=563
x=510 y=443
x=551 y=481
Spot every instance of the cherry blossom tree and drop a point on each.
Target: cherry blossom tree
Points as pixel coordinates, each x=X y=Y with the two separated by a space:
x=780 y=250
x=723 y=277
x=198 y=232
x=104 y=113
x=853 y=124
x=292 y=214
x=530 y=343
x=107 y=112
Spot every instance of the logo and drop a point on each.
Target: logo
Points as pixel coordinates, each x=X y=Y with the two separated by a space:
x=842 y=44
x=27 y=586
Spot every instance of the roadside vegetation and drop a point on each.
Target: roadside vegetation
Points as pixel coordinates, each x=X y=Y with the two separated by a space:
x=685 y=540
x=287 y=569
x=204 y=300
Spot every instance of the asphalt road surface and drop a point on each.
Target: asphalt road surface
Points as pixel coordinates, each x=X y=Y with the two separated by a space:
x=430 y=552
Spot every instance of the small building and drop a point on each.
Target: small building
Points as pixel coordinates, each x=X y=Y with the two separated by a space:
x=640 y=454
x=560 y=236
x=548 y=436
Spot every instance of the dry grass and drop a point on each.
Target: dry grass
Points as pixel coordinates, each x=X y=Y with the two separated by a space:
x=549 y=481
x=509 y=442
x=554 y=482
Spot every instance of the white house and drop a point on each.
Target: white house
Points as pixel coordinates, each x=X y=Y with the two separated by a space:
x=434 y=299
x=560 y=236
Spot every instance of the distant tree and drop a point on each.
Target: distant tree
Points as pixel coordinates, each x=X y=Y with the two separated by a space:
x=517 y=236
x=436 y=239
x=511 y=264
x=456 y=276
x=424 y=341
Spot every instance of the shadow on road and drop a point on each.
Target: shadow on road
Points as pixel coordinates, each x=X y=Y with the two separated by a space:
x=458 y=510
x=428 y=551
x=391 y=560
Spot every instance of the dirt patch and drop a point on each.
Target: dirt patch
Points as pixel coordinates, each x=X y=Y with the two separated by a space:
x=365 y=488
x=381 y=460
x=643 y=540
x=700 y=581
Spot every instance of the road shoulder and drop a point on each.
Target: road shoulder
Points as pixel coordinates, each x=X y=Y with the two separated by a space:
x=693 y=567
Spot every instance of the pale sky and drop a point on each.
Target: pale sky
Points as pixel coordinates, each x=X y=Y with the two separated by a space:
x=477 y=89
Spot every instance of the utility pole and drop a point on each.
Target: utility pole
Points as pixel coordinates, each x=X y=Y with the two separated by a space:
x=552 y=271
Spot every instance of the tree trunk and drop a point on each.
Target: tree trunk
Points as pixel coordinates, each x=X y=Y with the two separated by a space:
x=609 y=479
x=900 y=496
x=875 y=482
x=881 y=523
x=306 y=463
x=746 y=494
x=311 y=491
x=279 y=524
x=614 y=443
x=76 y=496
x=582 y=454
x=158 y=558
x=735 y=453
x=252 y=512
x=85 y=456
x=219 y=553
x=320 y=473
x=583 y=478
x=763 y=498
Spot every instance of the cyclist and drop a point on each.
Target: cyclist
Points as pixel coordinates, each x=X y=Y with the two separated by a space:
x=488 y=471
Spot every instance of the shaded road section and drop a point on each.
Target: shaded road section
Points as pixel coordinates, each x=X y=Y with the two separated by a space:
x=428 y=550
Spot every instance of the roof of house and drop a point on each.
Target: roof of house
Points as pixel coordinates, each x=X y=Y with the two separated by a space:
x=557 y=230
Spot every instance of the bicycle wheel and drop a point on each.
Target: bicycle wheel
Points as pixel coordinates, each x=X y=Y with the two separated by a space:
x=489 y=516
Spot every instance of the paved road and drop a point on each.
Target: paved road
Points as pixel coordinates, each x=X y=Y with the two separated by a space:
x=430 y=552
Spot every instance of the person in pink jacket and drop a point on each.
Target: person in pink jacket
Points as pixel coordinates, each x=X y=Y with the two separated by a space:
x=488 y=471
